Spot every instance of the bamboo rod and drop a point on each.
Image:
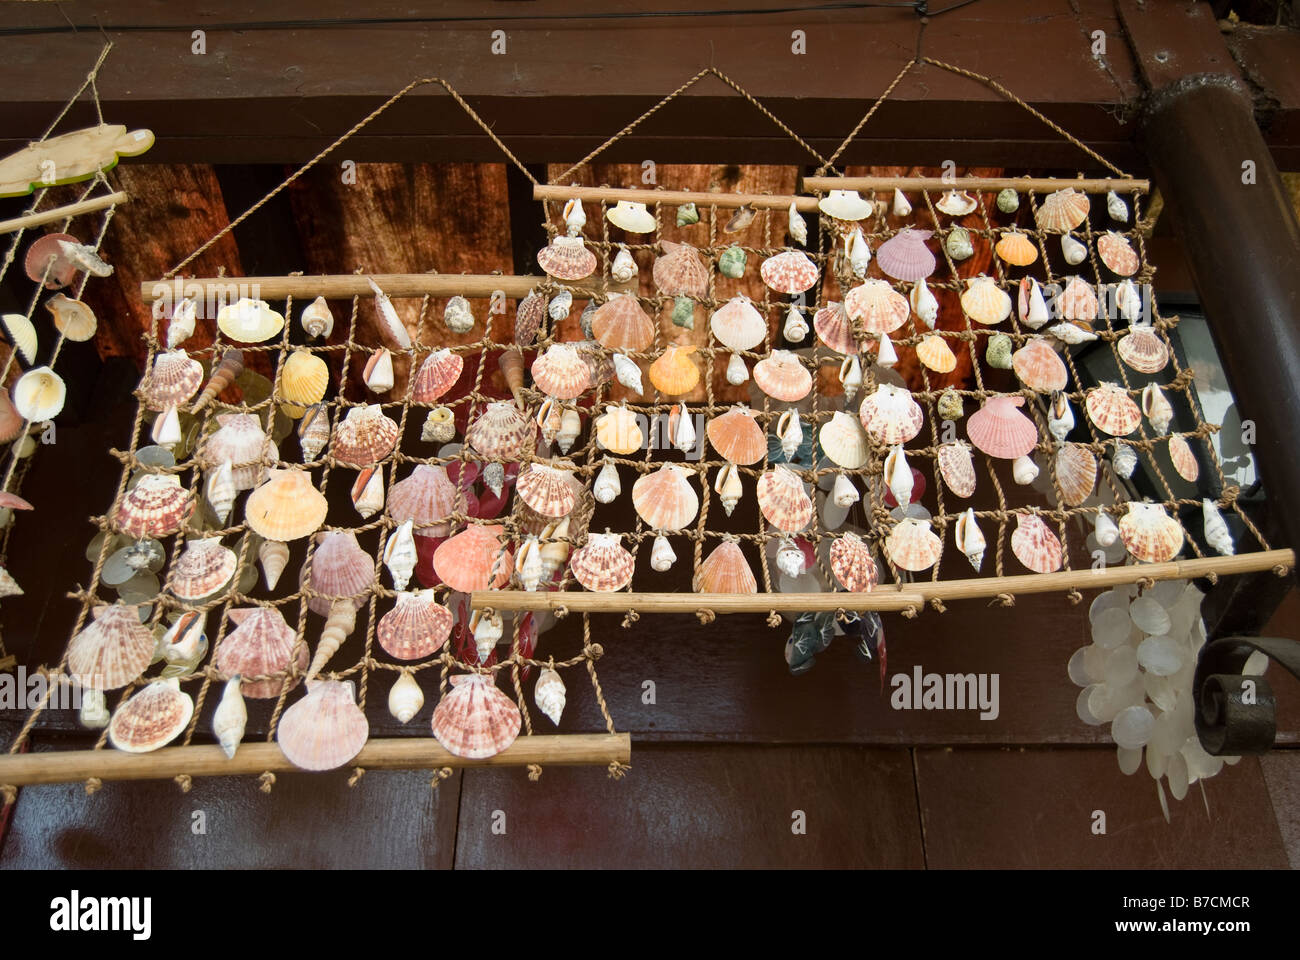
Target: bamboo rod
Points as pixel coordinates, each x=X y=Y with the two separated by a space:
x=1037 y=184
x=344 y=286
x=393 y=753
x=60 y=213
x=890 y=597
x=757 y=201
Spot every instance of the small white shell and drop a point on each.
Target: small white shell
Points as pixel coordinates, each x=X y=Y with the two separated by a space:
x=970 y=539
x=1157 y=408
x=94 y=714
x=798 y=226
x=181 y=327
x=628 y=372
x=1105 y=529
x=405 y=698
x=886 y=356
x=371 y=500
x=1024 y=471
x=528 y=563
x=1035 y=313
x=488 y=629
x=1070 y=333
x=1116 y=207
x=789 y=558
x=1124 y=460
x=859 y=253
x=898 y=475
x=560 y=306
x=380 y=378
x=607 y=487
x=230 y=717
x=796 y=327
x=728 y=487
x=388 y=314
x=458 y=316
x=844 y=493
x=662 y=556
x=549 y=694
x=924 y=304
x=1073 y=251
x=737 y=372
x=1060 y=416
x=684 y=435
x=790 y=431
x=167 y=428
x=1217 y=534
x=901 y=207
x=850 y=377
x=570 y=428
x=623 y=268
x=400 y=555
x=1128 y=300
x=575 y=218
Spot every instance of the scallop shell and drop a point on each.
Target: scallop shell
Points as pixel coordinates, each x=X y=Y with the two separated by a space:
x=11 y=421
x=437 y=374
x=618 y=430
x=325 y=729
x=112 y=650
x=835 y=329
x=603 y=564
x=567 y=258
x=1039 y=367
x=725 y=570
x=153 y=717
x=955 y=203
x=737 y=325
x=547 y=490
x=340 y=569
x=890 y=415
x=999 y=429
x=905 y=256
x=783 y=500
x=1035 y=545
x=47 y=261
x=911 y=545
x=22 y=335
x=286 y=507
x=365 y=436
x=1076 y=472
x=782 y=377
x=474 y=559
x=203 y=569
x=665 y=499
x=316 y=319
x=155 y=507
x=304 y=378
x=844 y=441
x=1143 y=349
x=560 y=372
x=631 y=216
x=39 y=394
x=173 y=379
x=675 y=373
x=877 y=306
x=1184 y=460
x=621 y=323
x=846 y=205
x=1112 y=410
x=1118 y=254
x=1062 y=211
x=72 y=318
x=474 y=719
x=985 y=302
x=957 y=467
x=1149 y=533
x=529 y=314
x=261 y=645
x=1016 y=249
x=852 y=564
x=1076 y=301
x=416 y=628
x=933 y=351
x=737 y=436
x=789 y=272
x=680 y=272
x=501 y=432
x=249 y=321
x=240 y=440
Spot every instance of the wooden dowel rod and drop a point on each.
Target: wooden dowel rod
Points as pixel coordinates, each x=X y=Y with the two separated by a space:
x=393 y=753
x=1037 y=184
x=59 y=213
x=887 y=597
x=758 y=201
x=343 y=286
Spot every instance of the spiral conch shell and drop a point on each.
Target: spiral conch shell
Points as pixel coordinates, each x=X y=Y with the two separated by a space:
x=662 y=556
x=728 y=487
x=230 y=718
x=400 y=554
x=1216 y=529
x=549 y=694
x=1157 y=408
x=316 y=319
x=898 y=476
x=970 y=540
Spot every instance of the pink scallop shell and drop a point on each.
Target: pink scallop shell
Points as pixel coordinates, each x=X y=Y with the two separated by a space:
x=1035 y=545
x=1112 y=410
x=835 y=329
x=789 y=272
x=475 y=719
x=340 y=569
x=877 y=306
x=438 y=374
x=501 y=432
x=957 y=468
x=725 y=570
x=325 y=729
x=1118 y=254
x=890 y=415
x=261 y=645
x=112 y=650
x=852 y=564
x=905 y=256
x=427 y=496
x=474 y=559
x=999 y=429
x=783 y=500
x=782 y=377
x=416 y=628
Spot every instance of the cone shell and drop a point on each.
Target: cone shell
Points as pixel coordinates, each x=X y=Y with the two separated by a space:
x=1076 y=472
x=325 y=729
x=1143 y=349
x=340 y=569
x=784 y=501
x=782 y=377
x=1062 y=211
x=844 y=441
x=602 y=565
x=173 y=379
x=1184 y=460
x=474 y=559
x=39 y=394
x=437 y=374
x=547 y=490
x=737 y=436
x=680 y=272
x=316 y=319
x=1077 y=301
x=313 y=431
x=665 y=499
x=112 y=650
x=262 y=644
x=675 y=373
x=618 y=431
x=877 y=306
x=985 y=302
x=738 y=325
x=789 y=272
x=621 y=323
x=911 y=545
x=303 y=381
x=1149 y=533
x=249 y=321
x=1112 y=410
x=905 y=256
x=890 y=415
x=156 y=507
x=933 y=351
x=203 y=569
x=560 y=372
x=852 y=564
x=835 y=329
x=1017 y=249
x=957 y=468
x=567 y=258
x=475 y=719
x=999 y=429
x=1035 y=545
x=1039 y=367
x=416 y=628
x=286 y=507
x=153 y=717
x=725 y=570
x=502 y=432
x=365 y=436
x=240 y=440
x=549 y=694
x=1118 y=254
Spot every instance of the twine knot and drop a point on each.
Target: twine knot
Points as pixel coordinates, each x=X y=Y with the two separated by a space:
x=92 y=786
x=631 y=618
x=534 y=772
x=357 y=774
x=706 y=617
x=267 y=781
x=911 y=612
x=1003 y=600
x=774 y=619
x=184 y=781
x=938 y=605
x=618 y=770
x=9 y=792
x=561 y=612
x=1074 y=596
x=439 y=775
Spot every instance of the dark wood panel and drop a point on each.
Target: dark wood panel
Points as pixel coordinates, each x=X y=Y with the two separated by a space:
x=698 y=807
x=1282 y=774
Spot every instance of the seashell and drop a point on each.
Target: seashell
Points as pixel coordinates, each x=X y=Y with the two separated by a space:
x=886 y=355
x=843 y=440
x=1060 y=416
x=898 y=476
x=923 y=303
x=1112 y=410
x=39 y=394
x=502 y=432
x=221 y=490
x=629 y=373
x=905 y=256
x=683 y=314
x=286 y=507
x=204 y=568
x=378 y=372
x=687 y=214
x=82 y=256
x=560 y=372
x=230 y=367
x=487 y=629
x=949 y=405
x=1129 y=301
x=325 y=729
x=1118 y=254
x=1104 y=529
x=1072 y=250
x=1116 y=208
x=555 y=548
x=474 y=559
x=607 y=486
x=789 y=430
x=956 y=204
x=737 y=325
x=790 y=558
x=725 y=570
x=112 y=650
x=560 y=306
x=317 y=320
x=901 y=207
x=835 y=329
x=547 y=490
x=797 y=226
x=416 y=628
x=602 y=565
x=567 y=258
x=1008 y=200
x=662 y=556
x=45 y=261
x=731 y=262
x=439 y=426
x=313 y=432
x=304 y=378
x=1032 y=306
x=1157 y=408
x=575 y=218
x=153 y=717
x=664 y=498
x=1071 y=333
x=1216 y=529
x=548 y=694
x=675 y=373
x=155 y=507
x=782 y=377
x=340 y=623
x=1076 y=473
x=529 y=313
x=796 y=327
x=340 y=569
x=728 y=487
x=474 y=719
x=681 y=427
x=570 y=428
x=1143 y=349
x=1039 y=367
x=1183 y=459
x=1149 y=533
x=405 y=698
x=166 y=430
x=845 y=205
x=620 y=323
x=877 y=306
x=783 y=500
x=1123 y=460
x=240 y=441
x=998 y=353
x=985 y=302
x=623 y=268
x=364 y=437
x=890 y=415
x=999 y=429
x=72 y=318
x=1024 y=471
x=933 y=351
x=1062 y=211
x=548 y=419
x=912 y=546
x=969 y=538
x=273 y=556
x=1077 y=301
x=630 y=216
x=851 y=377
x=852 y=564
x=1016 y=249
x=22 y=335
x=737 y=436
x=230 y=718
x=261 y=645
x=843 y=492
x=958 y=244
x=680 y=272
x=249 y=321
x=528 y=563
x=618 y=430
x=172 y=380
x=858 y=253
x=181 y=327
x=400 y=554
x=1035 y=545
x=789 y=272
x=957 y=467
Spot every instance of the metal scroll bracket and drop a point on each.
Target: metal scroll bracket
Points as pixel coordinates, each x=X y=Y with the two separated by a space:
x=1237 y=715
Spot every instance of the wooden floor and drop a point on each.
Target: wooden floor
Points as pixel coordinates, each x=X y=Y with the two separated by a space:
x=731 y=758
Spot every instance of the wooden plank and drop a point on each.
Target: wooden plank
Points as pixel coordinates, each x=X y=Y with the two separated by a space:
x=92 y=205
x=1175 y=40
x=409 y=286
x=727 y=201
x=1282 y=775
x=1016 y=809
x=698 y=807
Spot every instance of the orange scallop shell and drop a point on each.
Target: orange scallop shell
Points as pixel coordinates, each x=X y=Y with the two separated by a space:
x=680 y=272
x=1118 y=254
x=1183 y=458
x=783 y=500
x=665 y=499
x=1017 y=249
x=474 y=559
x=438 y=374
x=1039 y=367
x=1035 y=545
x=725 y=570
x=1149 y=533
x=1062 y=211
x=416 y=628
x=675 y=372
x=621 y=323
x=934 y=352
x=737 y=436
x=782 y=377
x=1077 y=301
x=877 y=306
x=1112 y=410
x=547 y=490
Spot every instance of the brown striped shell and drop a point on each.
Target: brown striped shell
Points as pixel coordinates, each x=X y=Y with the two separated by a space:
x=437 y=374
x=547 y=490
x=665 y=499
x=835 y=329
x=1118 y=254
x=204 y=568
x=602 y=564
x=737 y=436
x=340 y=570
x=680 y=272
x=365 y=436
x=1143 y=349
x=501 y=432
x=153 y=717
x=877 y=306
x=852 y=564
x=416 y=628
x=530 y=314
x=174 y=378
x=325 y=729
x=912 y=545
x=789 y=272
x=1112 y=410
x=890 y=415
x=1039 y=367
x=1149 y=533
x=261 y=645
x=1035 y=545
x=725 y=570
x=567 y=258
x=783 y=500
x=475 y=719
x=112 y=650
x=621 y=323
x=1183 y=459
x=1062 y=211
x=1076 y=472
x=957 y=467
x=427 y=497
x=155 y=507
